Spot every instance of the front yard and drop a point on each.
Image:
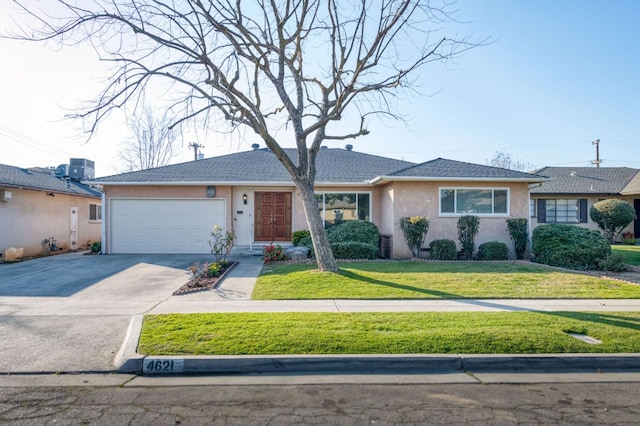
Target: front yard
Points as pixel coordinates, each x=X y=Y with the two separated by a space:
x=631 y=254
x=406 y=332
x=426 y=280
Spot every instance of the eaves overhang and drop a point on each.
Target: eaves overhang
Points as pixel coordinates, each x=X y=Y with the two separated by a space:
x=227 y=183
x=47 y=190
x=385 y=179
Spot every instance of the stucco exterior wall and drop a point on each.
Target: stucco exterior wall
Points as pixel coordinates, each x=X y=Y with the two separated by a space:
x=591 y=200
x=32 y=216
x=422 y=199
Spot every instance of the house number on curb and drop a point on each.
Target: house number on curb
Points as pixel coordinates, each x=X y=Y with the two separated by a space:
x=162 y=366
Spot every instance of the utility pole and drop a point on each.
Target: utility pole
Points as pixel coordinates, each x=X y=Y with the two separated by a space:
x=597 y=161
x=195 y=147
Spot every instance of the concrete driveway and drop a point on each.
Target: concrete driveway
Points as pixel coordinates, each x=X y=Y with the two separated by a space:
x=70 y=312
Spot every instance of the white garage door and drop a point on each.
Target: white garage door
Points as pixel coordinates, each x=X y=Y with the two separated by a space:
x=164 y=225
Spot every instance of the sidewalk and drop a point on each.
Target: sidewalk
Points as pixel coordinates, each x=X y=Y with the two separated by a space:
x=234 y=295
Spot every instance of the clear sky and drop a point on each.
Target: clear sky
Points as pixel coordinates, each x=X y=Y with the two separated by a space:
x=558 y=75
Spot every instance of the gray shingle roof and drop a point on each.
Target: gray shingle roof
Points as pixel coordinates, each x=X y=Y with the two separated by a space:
x=334 y=165
x=42 y=179
x=585 y=180
x=449 y=169
x=261 y=165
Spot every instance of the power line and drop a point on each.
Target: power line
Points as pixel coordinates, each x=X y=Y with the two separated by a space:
x=21 y=138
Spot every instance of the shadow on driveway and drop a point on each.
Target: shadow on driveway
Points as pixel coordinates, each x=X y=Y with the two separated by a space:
x=66 y=274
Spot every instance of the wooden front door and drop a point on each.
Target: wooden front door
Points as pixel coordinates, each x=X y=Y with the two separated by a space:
x=273 y=216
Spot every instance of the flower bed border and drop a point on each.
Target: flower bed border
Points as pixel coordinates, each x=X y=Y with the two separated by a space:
x=188 y=290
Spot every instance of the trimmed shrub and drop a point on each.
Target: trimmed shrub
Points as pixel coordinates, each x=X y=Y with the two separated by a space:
x=468 y=227
x=443 y=250
x=415 y=230
x=519 y=232
x=569 y=246
x=612 y=216
x=493 y=250
x=96 y=247
x=297 y=236
x=354 y=250
x=354 y=231
x=614 y=263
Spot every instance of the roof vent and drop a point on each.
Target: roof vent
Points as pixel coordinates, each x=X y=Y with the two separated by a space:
x=348 y=147
x=573 y=173
x=255 y=146
x=323 y=147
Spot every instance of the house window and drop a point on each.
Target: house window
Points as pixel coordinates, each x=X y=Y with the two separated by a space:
x=474 y=201
x=532 y=207
x=562 y=210
x=336 y=208
x=95 y=212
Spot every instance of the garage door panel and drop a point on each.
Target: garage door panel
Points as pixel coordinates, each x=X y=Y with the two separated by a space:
x=164 y=225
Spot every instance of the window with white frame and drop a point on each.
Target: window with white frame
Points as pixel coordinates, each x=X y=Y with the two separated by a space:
x=338 y=207
x=481 y=201
x=95 y=212
x=532 y=207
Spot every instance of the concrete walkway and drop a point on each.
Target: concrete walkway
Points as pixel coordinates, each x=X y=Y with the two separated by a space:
x=234 y=295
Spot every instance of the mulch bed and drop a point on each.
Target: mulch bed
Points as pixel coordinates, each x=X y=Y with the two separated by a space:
x=204 y=283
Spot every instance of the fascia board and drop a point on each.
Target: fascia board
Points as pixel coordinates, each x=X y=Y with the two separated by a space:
x=384 y=179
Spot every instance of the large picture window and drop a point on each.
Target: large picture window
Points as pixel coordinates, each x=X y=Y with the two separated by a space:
x=339 y=207
x=474 y=201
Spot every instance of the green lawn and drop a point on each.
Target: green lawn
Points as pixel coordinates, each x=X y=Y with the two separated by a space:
x=631 y=254
x=387 y=333
x=423 y=280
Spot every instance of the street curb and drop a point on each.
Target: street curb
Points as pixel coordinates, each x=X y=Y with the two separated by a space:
x=127 y=360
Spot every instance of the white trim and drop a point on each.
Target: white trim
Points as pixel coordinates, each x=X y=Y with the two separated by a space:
x=103 y=226
x=475 y=188
x=232 y=183
x=384 y=179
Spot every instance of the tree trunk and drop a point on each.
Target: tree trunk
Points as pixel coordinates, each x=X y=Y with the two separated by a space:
x=324 y=256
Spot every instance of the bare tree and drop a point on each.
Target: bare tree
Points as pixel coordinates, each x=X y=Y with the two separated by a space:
x=292 y=68
x=151 y=144
x=505 y=161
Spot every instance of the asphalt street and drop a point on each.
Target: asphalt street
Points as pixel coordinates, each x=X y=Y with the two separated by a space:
x=428 y=404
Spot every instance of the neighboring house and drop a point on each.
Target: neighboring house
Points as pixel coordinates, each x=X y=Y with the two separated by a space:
x=172 y=209
x=571 y=191
x=36 y=205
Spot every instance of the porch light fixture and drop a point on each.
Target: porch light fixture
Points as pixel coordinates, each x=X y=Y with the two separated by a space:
x=244 y=198
x=211 y=191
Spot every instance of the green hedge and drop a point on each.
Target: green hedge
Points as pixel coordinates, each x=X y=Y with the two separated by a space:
x=354 y=231
x=443 y=250
x=569 y=246
x=493 y=250
x=297 y=236
x=354 y=250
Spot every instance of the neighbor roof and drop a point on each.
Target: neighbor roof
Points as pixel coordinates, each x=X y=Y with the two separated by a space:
x=42 y=179
x=585 y=180
x=334 y=166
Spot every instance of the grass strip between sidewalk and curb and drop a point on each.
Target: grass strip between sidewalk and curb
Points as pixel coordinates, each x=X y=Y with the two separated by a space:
x=388 y=333
x=431 y=280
